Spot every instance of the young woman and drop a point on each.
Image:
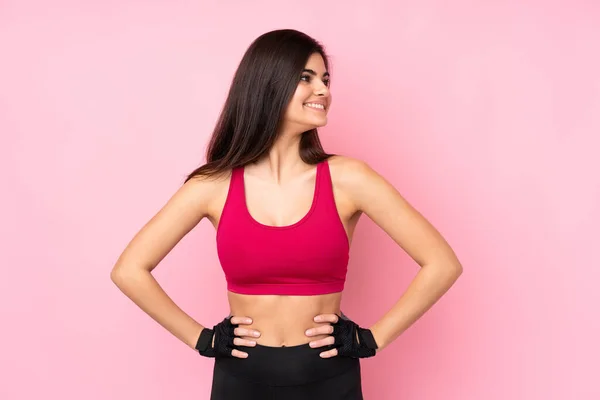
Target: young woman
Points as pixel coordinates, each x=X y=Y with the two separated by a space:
x=284 y=213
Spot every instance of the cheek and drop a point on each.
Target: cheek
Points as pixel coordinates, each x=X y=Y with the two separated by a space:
x=295 y=109
x=296 y=104
x=302 y=93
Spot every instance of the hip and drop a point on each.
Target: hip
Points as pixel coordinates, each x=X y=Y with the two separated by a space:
x=287 y=372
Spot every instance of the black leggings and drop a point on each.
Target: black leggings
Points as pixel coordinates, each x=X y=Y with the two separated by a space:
x=286 y=373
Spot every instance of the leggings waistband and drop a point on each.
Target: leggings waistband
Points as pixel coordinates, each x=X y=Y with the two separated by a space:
x=285 y=366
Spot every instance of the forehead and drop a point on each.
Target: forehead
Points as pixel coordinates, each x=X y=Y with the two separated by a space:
x=316 y=63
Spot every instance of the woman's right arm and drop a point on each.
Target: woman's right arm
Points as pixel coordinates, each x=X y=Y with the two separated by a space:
x=132 y=271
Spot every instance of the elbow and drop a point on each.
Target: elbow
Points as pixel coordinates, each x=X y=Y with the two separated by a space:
x=452 y=266
x=117 y=275
x=449 y=271
x=128 y=267
x=454 y=271
x=121 y=274
x=447 y=267
x=457 y=269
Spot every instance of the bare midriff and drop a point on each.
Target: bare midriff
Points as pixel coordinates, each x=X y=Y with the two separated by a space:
x=283 y=320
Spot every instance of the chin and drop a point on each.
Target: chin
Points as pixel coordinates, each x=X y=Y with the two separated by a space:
x=311 y=127
x=318 y=124
x=308 y=125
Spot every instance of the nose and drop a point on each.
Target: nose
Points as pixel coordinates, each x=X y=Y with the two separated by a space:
x=321 y=89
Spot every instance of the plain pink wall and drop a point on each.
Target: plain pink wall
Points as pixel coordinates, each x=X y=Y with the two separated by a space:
x=484 y=114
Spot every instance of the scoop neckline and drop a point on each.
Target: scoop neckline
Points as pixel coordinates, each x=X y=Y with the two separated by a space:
x=295 y=224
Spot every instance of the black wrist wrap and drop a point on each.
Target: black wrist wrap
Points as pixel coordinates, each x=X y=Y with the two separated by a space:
x=223 y=334
x=204 y=344
x=353 y=341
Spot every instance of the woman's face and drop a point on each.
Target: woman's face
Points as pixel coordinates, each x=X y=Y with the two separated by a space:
x=310 y=104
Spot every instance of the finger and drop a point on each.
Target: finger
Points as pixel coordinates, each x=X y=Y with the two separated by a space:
x=241 y=320
x=320 y=330
x=246 y=332
x=239 y=354
x=329 y=353
x=333 y=318
x=244 y=342
x=323 y=342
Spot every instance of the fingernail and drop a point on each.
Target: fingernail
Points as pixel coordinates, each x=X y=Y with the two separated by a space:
x=256 y=334
x=252 y=342
x=311 y=344
x=248 y=321
x=317 y=318
x=308 y=332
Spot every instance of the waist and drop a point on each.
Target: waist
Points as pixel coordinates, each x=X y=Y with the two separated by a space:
x=283 y=320
x=289 y=366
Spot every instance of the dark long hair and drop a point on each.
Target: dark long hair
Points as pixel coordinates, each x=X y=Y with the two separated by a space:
x=260 y=92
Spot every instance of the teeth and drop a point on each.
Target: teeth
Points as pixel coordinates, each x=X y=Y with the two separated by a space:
x=313 y=105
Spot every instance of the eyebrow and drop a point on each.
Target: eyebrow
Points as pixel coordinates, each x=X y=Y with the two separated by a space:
x=310 y=71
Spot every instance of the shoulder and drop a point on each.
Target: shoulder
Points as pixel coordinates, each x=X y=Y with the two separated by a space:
x=207 y=188
x=358 y=180
x=212 y=181
x=350 y=173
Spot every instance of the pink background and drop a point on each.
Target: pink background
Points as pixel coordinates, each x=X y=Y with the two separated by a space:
x=484 y=114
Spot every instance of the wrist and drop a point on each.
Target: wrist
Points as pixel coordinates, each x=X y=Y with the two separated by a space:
x=377 y=335
x=193 y=337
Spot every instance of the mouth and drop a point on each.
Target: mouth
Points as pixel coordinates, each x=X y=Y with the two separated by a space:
x=315 y=106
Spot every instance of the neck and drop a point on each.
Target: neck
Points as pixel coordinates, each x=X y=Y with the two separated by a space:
x=283 y=161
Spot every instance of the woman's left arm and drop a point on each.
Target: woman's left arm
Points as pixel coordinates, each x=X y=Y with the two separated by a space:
x=440 y=268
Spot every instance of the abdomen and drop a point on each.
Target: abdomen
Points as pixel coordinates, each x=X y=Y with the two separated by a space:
x=283 y=320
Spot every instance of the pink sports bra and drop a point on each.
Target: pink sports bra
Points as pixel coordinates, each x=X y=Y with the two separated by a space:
x=309 y=257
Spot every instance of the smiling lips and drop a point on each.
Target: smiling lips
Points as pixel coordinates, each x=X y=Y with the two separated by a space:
x=315 y=106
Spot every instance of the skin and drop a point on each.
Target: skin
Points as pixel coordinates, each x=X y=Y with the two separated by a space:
x=279 y=190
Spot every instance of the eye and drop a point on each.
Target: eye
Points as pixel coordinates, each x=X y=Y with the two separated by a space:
x=307 y=78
